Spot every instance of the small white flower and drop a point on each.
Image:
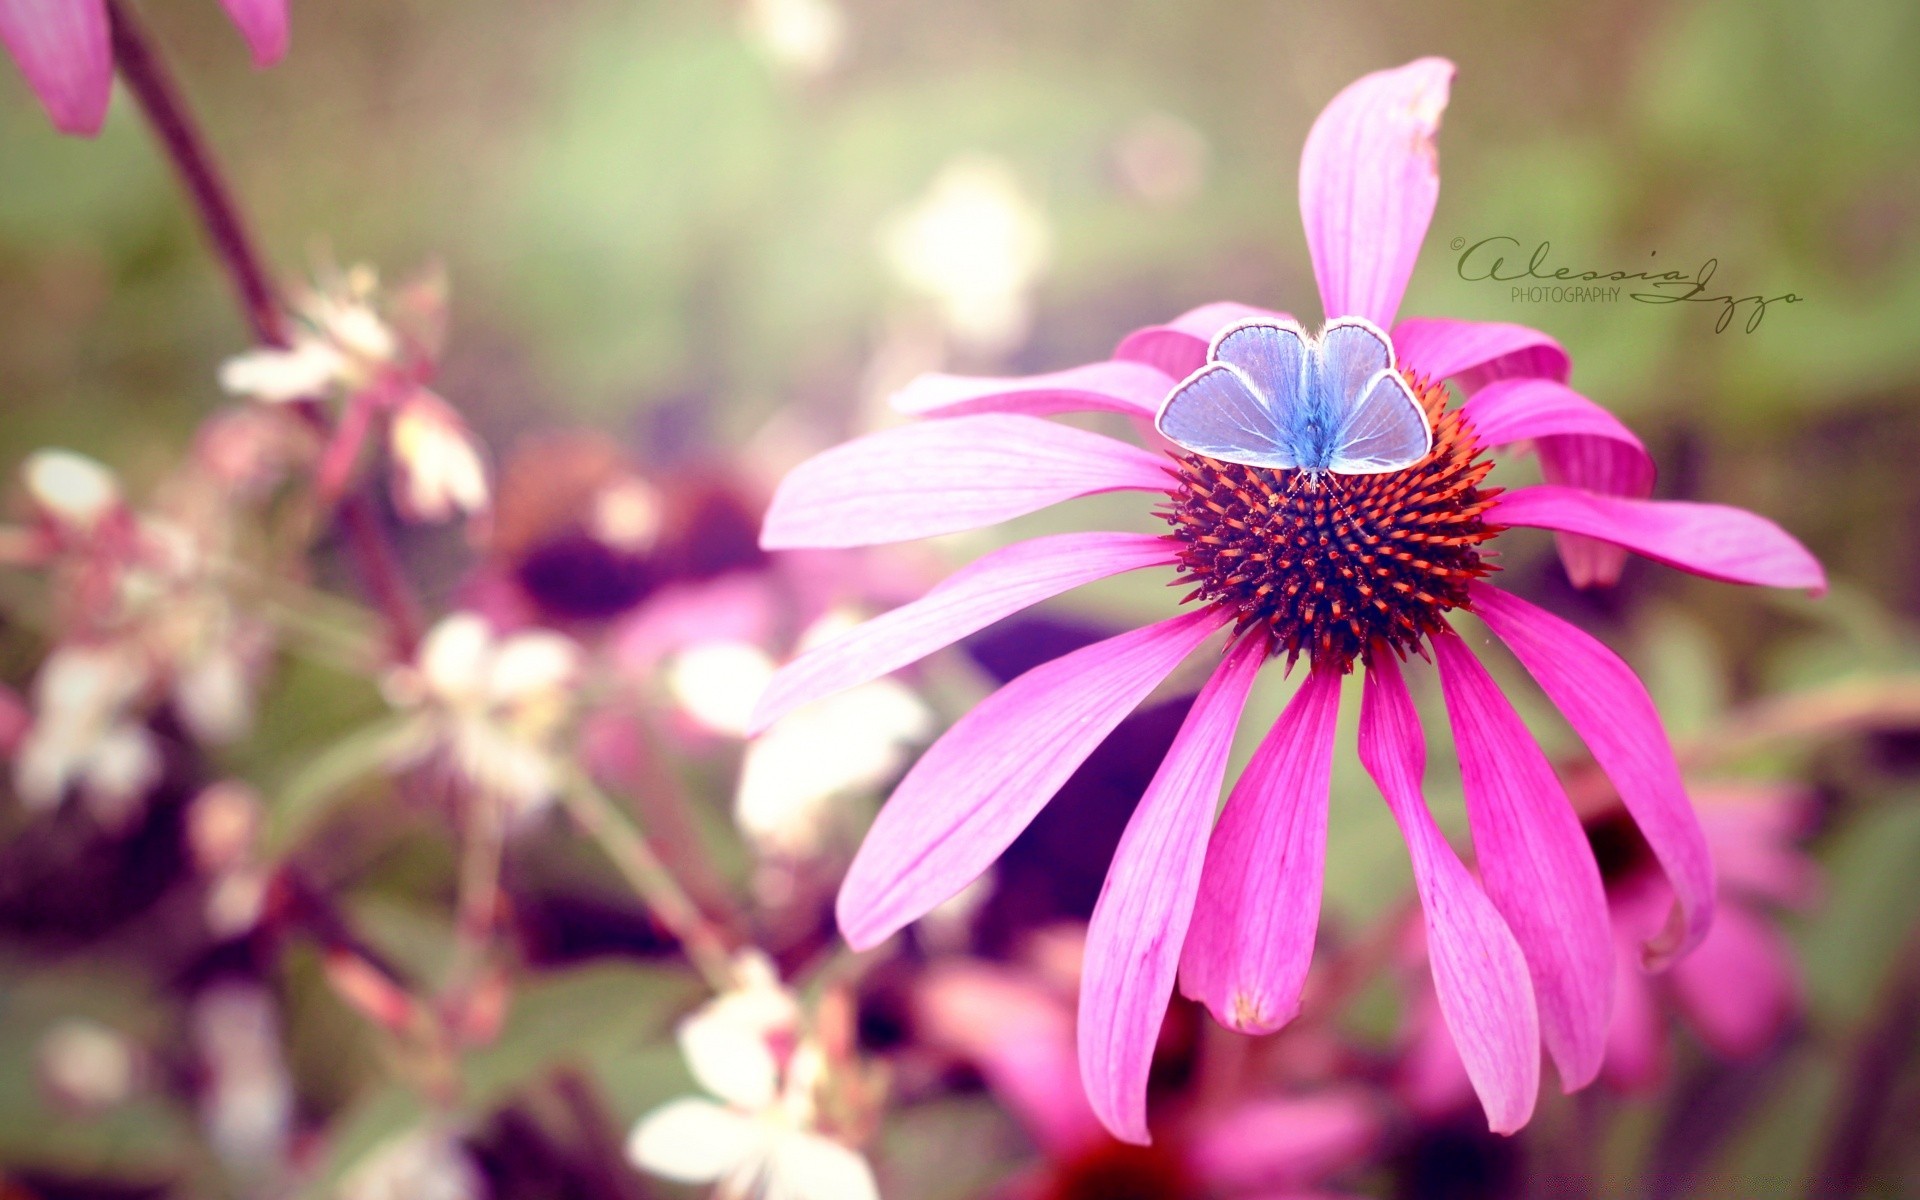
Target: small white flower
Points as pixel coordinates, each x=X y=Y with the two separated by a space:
x=976 y=245
x=438 y=472
x=718 y=682
x=494 y=705
x=758 y=1139
x=83 y=735
x=846 y=743
x=73 y=489
x=308 y=369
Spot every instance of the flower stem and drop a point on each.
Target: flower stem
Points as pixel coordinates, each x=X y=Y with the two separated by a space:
x=148 y=79
x=614 y=830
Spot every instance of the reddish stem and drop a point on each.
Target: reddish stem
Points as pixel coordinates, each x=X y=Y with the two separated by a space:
x=147 y=78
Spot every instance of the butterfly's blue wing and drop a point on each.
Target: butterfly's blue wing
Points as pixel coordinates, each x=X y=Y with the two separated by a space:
x=1235 y=409
x=1271 y=354
x=1386 y=431
x=1377 y=425
x=1218 y=413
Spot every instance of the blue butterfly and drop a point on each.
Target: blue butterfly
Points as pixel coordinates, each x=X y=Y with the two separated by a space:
x=1271 y=396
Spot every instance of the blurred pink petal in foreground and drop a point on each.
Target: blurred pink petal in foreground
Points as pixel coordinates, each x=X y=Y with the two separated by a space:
x=64 y=48
x=1017 y=1028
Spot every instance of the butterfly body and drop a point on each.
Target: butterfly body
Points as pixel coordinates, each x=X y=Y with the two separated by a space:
x=1272 y=396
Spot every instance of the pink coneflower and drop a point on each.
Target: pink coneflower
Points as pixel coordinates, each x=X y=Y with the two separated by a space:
x=65 y=49
x=1361 y=571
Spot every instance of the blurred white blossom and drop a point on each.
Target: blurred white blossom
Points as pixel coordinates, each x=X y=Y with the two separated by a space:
x=975 y=244
x=759 y=1135
x=803 y=37
x=493 y=706
x=247 y=1101
x=419 y=1165
x=70 y=488
x=438 y=472
x=86 y=1066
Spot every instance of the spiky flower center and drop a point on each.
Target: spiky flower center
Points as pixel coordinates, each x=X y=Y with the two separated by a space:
x=1341 y=567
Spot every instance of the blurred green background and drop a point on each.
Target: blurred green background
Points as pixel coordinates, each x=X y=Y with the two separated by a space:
x=664 y=221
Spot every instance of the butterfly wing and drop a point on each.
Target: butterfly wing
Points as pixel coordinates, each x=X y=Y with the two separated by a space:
x=1217 y=412
x=1387 y=431
x=1235 y=408
x=1375 y=422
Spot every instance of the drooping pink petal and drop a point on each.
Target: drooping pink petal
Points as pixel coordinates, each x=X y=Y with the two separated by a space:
x=1479 y=972
x=1251 y=938
x=1740 y=989
x=935 y=477
x=264 y=24
x=1580 y=444
x=1140 y=923
x=1133 y=388
x=996 y=586
x=1515 y=410
x=1537 y=865
x=64 y=49
x=1368 y=183
x=1754 y=828
x=1284 y=1142
x=1714 y=540
x=1609 y=708
x=1476 y=353
x=1637 y=1037
x=976 y=788
x=1179 y=348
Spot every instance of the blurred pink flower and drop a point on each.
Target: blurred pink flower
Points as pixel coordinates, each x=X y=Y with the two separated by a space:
x=1524 y=960
x=1018 y=1032
x=1739 y=990
x=64 y=48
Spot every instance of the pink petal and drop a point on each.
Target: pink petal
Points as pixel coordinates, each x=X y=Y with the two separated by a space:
x=935 y=477
x=1133 y=388
x=1140 y=923
x=264 y=24
x=1476 y=353
x=1580 y=444
x=1637 y=1037
x=1536 y=862
x=1754 y=828
x=1019 y=1034
x=1283 y=1142
x=1714 y=540
x=1609 y=708
x=1517 y=410
x=1368 y=183
x=1179 y=348
x=1740 y=989
x=64 y=49
x=1251 y=939
x=998 y=585
x=1479 y=972
x=976 y=788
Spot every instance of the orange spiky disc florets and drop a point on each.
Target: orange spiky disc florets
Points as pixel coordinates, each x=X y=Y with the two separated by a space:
x=1340 y=567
